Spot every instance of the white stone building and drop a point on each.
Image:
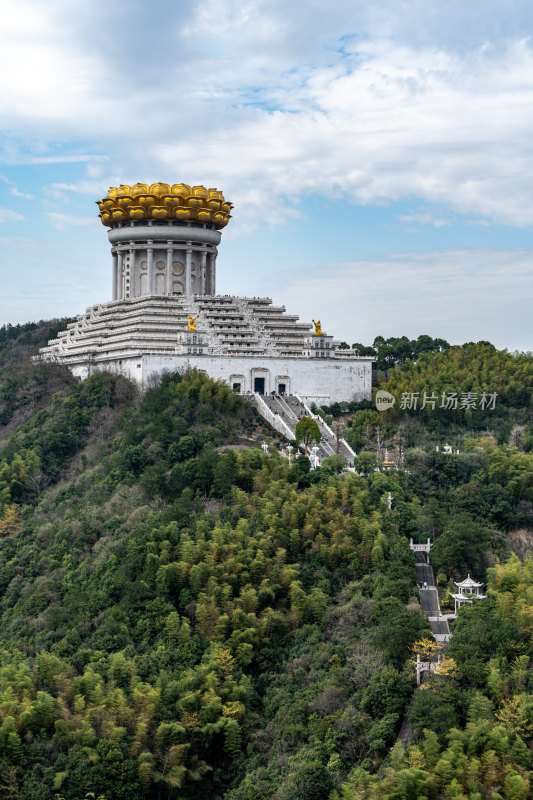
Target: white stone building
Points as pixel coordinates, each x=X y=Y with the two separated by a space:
x=165 y=314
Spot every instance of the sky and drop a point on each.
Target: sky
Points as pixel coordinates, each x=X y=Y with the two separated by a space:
x=379 y=154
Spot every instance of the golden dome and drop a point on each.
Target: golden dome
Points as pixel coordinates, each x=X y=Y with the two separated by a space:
x=162 y=201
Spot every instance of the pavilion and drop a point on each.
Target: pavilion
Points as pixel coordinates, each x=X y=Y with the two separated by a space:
x=468 y=591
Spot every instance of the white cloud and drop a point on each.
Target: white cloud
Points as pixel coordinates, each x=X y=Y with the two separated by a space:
x=420 y=218
x=386 y=124
x=76 y=158
x=280 y=102
x=62 y=221
x=460 y=295
x=7 y=215
x=275 y=102
x=24 y=195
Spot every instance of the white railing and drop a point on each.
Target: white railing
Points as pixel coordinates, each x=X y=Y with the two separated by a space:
x=326 y=426
x=420 y=548
x=273 y=419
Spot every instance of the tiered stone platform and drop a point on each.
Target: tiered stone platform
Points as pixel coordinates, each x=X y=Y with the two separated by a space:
x=251 y=344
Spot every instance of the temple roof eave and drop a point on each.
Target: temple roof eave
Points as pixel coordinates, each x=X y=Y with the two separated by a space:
x=468 y=583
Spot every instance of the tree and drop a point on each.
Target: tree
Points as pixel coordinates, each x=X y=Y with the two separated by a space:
x=460 y=548
x=398 y=628
x=428 y=649
x=11 y=521
x=366 y=462
x=363 y=350
x=307 y=431
x=335 y=463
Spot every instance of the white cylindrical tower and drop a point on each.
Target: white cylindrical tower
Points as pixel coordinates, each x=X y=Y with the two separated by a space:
x=164 y=238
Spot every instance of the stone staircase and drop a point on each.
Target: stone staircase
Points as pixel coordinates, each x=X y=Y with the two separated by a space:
x=429 y=600
x=290 y=410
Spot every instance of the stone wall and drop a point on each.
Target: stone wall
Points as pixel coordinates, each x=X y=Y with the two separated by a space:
x=322 y=382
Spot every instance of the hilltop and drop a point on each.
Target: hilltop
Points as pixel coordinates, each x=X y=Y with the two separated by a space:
x=181 y=619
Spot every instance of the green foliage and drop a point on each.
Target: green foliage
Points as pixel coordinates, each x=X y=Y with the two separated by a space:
x=469 y=368
x=476 y=727
x=307 y=431
x=26 y=386
x=181 y=619
x=394 y=350
x=145 y=636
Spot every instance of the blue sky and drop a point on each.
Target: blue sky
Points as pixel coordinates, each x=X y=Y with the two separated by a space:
x=379 y=155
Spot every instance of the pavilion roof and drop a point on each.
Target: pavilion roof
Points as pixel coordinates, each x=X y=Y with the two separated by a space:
x=468 y=583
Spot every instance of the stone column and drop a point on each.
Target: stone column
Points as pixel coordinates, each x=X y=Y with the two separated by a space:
x=203 y=276
x=212 y=273
x=120 y=276
x=169 y=269
x=150 y=253
x=188 y=259
x=115 y=276
x=132 y=269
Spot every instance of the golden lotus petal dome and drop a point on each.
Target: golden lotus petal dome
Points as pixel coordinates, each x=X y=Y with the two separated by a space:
x=159 y=189
x=199 y=191
x=182 y=189
x=159 y=212
x=170 y=200
x=139 y=188
x=203 y=215
x=119 y=214
x=163 y=201
x=147 y=200
x=195 y=202
x=182 y=213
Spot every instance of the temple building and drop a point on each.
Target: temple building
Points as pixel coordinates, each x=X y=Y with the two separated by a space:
x=165 y=314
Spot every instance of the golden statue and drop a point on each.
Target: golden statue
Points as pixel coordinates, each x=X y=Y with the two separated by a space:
x=318 y=329
x=191 y=327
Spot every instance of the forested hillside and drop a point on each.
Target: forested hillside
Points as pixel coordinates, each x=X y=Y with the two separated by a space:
x=185 y=616
x=26 y=386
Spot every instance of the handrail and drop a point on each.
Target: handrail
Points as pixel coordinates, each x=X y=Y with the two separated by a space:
x=326 y=426
x=273 y=419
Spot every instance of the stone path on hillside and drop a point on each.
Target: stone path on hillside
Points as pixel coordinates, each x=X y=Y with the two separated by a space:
x=429 y=599
x=291 y=409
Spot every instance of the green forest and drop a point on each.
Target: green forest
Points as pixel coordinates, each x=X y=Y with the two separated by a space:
x=185 y=616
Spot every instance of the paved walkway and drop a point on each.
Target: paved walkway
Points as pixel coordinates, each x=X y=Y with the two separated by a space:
x=291 y=410
x=429 y=599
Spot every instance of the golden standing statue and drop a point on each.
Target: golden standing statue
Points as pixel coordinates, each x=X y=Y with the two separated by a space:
x=191 y=327
x=318 y=328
